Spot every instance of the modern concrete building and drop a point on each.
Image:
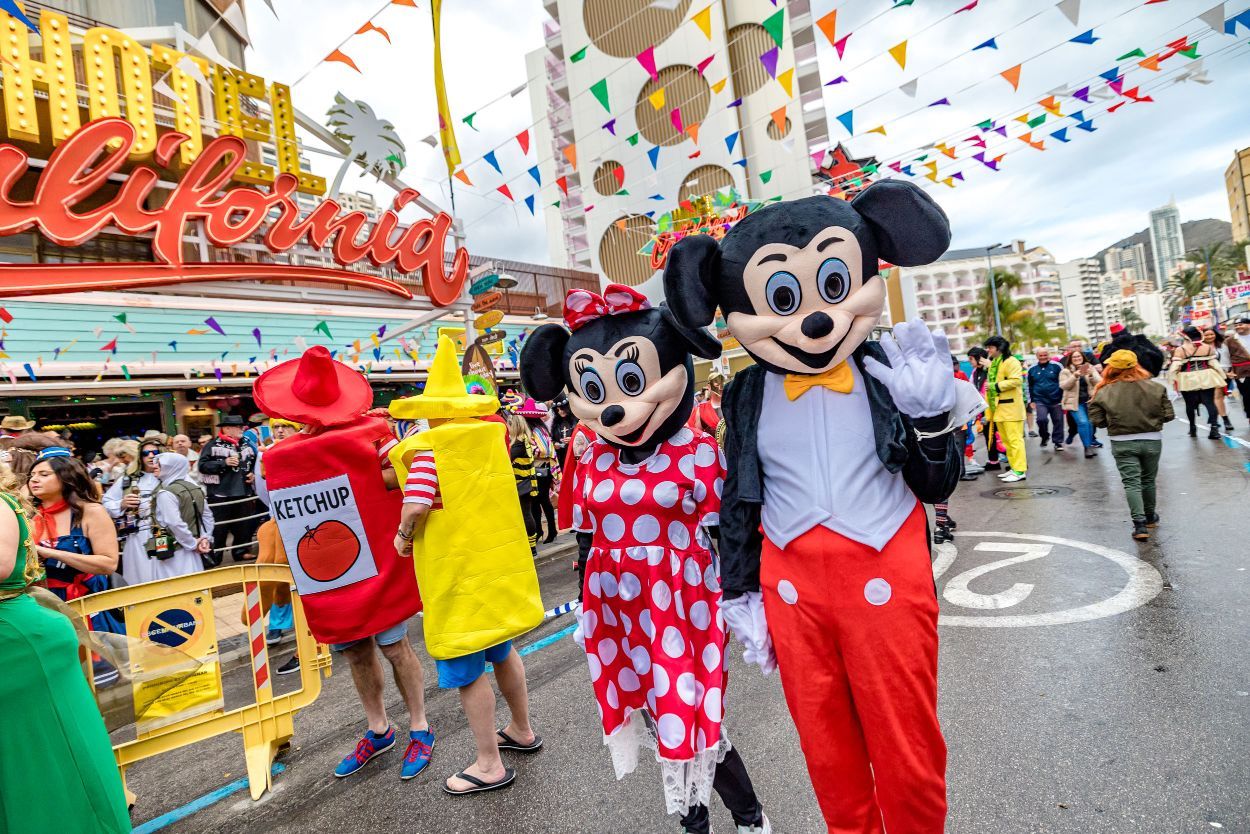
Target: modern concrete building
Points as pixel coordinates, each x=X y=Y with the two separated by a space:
x=732 y=103
x=1237 y=182
x=1131 y=258
x=944 y=293
x=1080 y=282
x=1167 y=242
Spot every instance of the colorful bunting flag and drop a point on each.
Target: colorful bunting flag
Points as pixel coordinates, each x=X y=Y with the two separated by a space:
x=1086 y=37
x=212 y=322
x=1012 y=76
x=769 y=60
x=610 y=126
x=841 y=79
x=15 y=10
x=632 y=139
x=533 y=172
x=111 y=346
x=765 y=176
x=841 y=45
x=570 y=153
x=600 y=91
x=847 y=119
x=693 y=132
x=968 y=7
x=1082 y=94
x=657 y=98
x=731 y=140
x=774 y=25
x=1061 y=134
x=6 y=316
x=786 y=80
x=578 y=55
x=1087 y=126
x=505 y=191
x=940 y=102
x=899 y=53
x=654 y=153
x=719 y=85
x=703 y=19
x=1151 y=63
x=463 y=177
x=878 y=129
x=563 y=184
x=674 y=116
x=779 y=120
x=702 y=65
x=1136 y=53
x=340 y=57
x=256 y=334
x=909 y=88
x=646 y=59
x=735 y=103
x=529 y=204
x=1071 y=10
x=469 y=120
x=489 y=156
x=990 y=44
x=828 y=25
x=370 y=26
x=523 y=139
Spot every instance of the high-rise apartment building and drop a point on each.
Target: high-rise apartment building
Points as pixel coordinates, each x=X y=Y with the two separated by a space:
x=1080 y=283
x=1237 y=181
x=733 y=103
x=1167 y=242
x=1127 y=258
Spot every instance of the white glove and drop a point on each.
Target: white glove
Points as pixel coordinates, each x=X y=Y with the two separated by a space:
x=919 y=376
x=745 y=617
x=579 y=634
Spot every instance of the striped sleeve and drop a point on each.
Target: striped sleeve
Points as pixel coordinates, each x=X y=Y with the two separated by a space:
x=384 y=451
x=422 y=484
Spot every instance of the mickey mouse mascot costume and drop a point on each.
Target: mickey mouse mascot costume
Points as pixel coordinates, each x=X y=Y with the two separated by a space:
x=646 y=497
x=833 y=442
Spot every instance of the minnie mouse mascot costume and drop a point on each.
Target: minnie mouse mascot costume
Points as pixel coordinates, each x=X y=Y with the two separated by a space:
x=832 y=444
x=645 y=494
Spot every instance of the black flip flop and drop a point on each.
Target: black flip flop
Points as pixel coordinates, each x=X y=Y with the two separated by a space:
x=509 y=743
x=509 y=775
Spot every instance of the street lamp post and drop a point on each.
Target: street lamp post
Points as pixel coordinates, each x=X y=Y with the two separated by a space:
x=998 y=325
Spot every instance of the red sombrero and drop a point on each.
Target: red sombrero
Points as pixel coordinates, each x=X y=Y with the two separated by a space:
x=313 y=389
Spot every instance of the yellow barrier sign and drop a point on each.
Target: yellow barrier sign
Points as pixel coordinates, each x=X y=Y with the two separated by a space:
x=176 y=673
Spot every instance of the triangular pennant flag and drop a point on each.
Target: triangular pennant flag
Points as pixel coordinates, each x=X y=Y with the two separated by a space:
x=841 y=79
x=1086 y=37
x=256 y=334
x=841 y=44
x=578 y=55
x=769 y=60
x=719 y=85
x=1061 y=134
x=370 y=26
x=1136 y=53
x=570 y=153
x=523 y=139
x=15 y=10
x=990 y=44
x=657 y=98
x=847 y=119
x=703 y=19
x=1087 y=126
x=945 y=149
x=774 y=25
x=212 y=322
x=110 y=346
x=1214 y=17
x=705 y=63
x=1151 y=63
x=1116 y=106
x=1191 y=53
x=1117 y=85
x=505 y=191
x=1135 y=95
x=489 y=156
x=988 y=124
x=618 y=173
x=1013 y=76
x=731 y=140
x=533 y=172
x=529 y=204
x=1082 y=94
x=828 y=25
x=818 y=157
x=968 y=7
x=1036 y=121
x=899 y=53
x=654 y=154
x=765 y=176
x=463 y=177
x=563 y=184
x=693 y=132
x=632 y=139
x=1110 y=75
x=779 y=120
x=610 y=126
x=940 y=102
x=341 y=58
x=909 y=89
x=785 y=79
x=878 y=129
x=674 y=116
x=1027 y=138
x=735 y=103
x=741 y=162
x=647 y=59
x=600 y=91
x=1071 y=10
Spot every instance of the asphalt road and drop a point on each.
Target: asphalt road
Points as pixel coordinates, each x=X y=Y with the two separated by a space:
x=1091 y=684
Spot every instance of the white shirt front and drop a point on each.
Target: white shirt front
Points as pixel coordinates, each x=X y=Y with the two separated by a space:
x=820 y=467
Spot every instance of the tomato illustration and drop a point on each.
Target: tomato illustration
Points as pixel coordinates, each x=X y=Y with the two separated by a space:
x=328 y=550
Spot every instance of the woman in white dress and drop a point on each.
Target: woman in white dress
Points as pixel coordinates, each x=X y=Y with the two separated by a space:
x=185 y=540
x=128 y=501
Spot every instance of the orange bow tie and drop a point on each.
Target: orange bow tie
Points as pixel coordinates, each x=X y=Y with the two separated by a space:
x=838 y=378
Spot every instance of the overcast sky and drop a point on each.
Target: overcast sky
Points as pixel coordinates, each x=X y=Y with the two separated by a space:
x=1074 y=198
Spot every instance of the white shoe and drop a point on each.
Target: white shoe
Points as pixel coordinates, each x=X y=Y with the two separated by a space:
x=1012 y=477
x=1006 y=474
x=764 y=828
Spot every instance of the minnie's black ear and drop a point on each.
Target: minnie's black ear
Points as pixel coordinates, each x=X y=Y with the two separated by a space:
x=542 y=362
x=910 y=228
x=689 y=280
x=698 y=340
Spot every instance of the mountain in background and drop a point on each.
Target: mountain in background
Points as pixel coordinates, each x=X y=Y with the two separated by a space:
x=1195 y=233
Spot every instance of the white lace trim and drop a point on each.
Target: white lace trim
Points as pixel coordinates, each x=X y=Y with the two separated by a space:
x=687 y=782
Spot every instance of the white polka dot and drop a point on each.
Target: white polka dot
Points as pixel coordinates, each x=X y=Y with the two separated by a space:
x=700 y=615
x=684 y=435
x=787 y=592
x=646 y=529
x=651 y=700
x=606 y=649
x=603 y=491
x=712 y=704
x=688 y=505
x=660 y=675
x=661 y=595
x=699 y=690
x=636 y=553
x=655 y=555
x=710 y=580
x=720 y=457
x=590 y=621
x=659 y=463
x=596 y=668
x=672 y=730
x=678 y=606
x=720 y=621
x=711 y=657
x=628 y=679
x=613 y=700
x=878 y=591
x=705 y=455
x=586 y=487
x=644 y=622
x=609 y=617
x=629 y=587
x=686 y=465
x=717 y=486
x=674 y=644
x=685 y=688
x=633 y=490
x=592 y=583
x=702 y=740
x=641 y=658
x=700 y=490
x=665 y=493
x=604 y=462
x=626 y=623
x=608 y=583
x=577 y=515
x=678 y=535
x=613 y=527
x=693 y=574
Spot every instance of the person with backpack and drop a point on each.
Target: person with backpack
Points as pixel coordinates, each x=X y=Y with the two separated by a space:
x=182 y=523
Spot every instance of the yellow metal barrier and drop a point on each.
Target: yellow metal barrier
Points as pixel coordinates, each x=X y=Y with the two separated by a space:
x=267 y=724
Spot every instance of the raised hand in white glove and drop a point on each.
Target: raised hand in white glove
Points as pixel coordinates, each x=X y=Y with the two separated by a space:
x=745 y=617
x=919 y=375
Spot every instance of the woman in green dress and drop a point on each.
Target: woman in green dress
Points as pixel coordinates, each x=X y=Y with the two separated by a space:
x=57 y=771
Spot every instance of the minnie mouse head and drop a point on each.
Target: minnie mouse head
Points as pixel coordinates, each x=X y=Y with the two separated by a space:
x=626 y=365
x=798 y=281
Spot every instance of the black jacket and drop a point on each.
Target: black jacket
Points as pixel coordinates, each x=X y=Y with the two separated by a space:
x=1148 y=355
x=930 y=467
x=220 y=480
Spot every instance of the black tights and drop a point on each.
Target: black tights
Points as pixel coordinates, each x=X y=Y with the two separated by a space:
x=542 y=507
x=733 y=785
x=1203 y=397
x=528 y=514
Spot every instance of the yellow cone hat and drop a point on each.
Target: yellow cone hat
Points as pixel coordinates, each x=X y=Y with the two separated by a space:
x=444 y=395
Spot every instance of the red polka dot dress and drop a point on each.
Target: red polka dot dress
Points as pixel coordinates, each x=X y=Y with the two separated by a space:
x=651 y=623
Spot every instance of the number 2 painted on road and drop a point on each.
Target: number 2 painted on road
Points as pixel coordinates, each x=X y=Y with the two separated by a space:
x=958 y=592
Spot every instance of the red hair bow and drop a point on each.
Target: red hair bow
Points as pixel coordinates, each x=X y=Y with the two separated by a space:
x=582 y=306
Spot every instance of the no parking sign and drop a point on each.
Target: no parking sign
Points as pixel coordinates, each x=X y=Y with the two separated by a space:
x=173 y=659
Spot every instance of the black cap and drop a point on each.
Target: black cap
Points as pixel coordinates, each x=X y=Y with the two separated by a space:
x=1242 y=320
x=231 y=420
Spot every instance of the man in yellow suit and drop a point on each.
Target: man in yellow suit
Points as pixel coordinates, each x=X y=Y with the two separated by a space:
x=462 y=523
x=1004 y=391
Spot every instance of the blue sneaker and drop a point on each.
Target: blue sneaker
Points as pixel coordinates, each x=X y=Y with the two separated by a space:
x=417 y=756
x=368 y=747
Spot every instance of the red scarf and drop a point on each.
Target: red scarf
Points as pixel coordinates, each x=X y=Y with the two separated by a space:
x=45 y=520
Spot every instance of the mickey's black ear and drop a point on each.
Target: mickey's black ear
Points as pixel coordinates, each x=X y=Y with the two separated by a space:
x=689 y=280
x=700 y=342
x=542 y=362
x=911 y=229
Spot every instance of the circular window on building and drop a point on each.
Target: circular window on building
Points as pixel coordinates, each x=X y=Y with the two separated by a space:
x=618 y=250
x=704 y=180
x=684 y=89
x=609 y=178
x=747 y=43
x=623 y=28
x=774 y=133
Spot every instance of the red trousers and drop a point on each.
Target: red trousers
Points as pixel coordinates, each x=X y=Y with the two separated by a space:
x=855 y=633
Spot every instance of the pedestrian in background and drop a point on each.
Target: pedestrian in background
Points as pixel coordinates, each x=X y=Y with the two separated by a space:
x=546 y=467
x=1047 y=397
x=127 y=501
x=980 y=362
x=521 y=450
x=1212 y=337
x=226 y=465
x=1149 y=357
x=1004 y=384
x=1077 y=379
x=1238 y=343
x=1196 y=373
x=182 y=526
x=1133 y=408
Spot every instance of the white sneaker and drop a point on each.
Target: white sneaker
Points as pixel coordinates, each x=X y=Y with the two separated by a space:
x=1012 y=477
x=1006 y=474
x=764 y=828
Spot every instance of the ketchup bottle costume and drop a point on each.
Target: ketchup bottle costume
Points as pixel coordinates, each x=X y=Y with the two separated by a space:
x=832 y=443
x=643 y=499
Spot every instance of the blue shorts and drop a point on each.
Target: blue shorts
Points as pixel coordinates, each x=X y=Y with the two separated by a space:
x=386 y=637
x=462 y=671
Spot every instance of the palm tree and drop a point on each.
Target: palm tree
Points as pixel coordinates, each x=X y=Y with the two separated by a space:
x=372 y=142
x=1021 y=322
